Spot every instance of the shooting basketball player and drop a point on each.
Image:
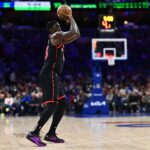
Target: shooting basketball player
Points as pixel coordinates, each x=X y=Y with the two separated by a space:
x=53 y=94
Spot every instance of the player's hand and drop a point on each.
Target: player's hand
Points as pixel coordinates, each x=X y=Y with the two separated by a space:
x=66 y=18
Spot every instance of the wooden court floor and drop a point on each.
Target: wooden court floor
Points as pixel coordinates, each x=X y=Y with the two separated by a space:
x=94 y=133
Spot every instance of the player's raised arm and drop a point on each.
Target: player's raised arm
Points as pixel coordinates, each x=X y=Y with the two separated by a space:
x=69 y=36
x=74 y=32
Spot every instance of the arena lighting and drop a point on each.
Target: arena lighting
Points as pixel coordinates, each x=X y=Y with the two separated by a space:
x=77 y=5
x=126 y=5
x=6 y=4
x=57 y=4
x=32 y=6
x=46 y=5
x=84 y=6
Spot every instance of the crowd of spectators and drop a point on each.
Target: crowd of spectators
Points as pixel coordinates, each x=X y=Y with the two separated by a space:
x=128 y=92
x=126 y=85
x=24 y=97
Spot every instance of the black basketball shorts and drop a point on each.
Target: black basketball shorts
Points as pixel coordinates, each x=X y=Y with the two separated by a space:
x=51 y=87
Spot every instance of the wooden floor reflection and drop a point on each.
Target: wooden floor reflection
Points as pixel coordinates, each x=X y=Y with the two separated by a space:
x=94 y=133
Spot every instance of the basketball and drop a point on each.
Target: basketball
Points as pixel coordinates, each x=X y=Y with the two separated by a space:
x=64 y=11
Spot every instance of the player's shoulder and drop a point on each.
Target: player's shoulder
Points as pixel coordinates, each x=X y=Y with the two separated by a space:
x=56 y=38
x=56 y=35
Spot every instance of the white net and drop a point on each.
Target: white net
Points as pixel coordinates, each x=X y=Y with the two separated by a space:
x=111 y=60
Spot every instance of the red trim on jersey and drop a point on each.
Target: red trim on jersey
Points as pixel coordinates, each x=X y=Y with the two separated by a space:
x=53 y=82
x=52 y=101
x=56 y=55
x=49 y=101
x=53 y=73
x=59 y=46
x=61 y=97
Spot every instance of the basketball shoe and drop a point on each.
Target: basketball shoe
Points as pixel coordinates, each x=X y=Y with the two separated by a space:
x=35 y=138
x=53 y=138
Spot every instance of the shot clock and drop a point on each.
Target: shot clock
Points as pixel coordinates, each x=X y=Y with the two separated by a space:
x=106 y=23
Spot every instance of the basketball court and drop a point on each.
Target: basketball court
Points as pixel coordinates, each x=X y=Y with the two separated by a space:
x=80 y=133
x=113 y=32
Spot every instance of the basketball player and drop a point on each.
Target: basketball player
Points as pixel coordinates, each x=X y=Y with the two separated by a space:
x=53 y=94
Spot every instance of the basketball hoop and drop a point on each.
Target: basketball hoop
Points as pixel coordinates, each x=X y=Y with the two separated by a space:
x=111 y=59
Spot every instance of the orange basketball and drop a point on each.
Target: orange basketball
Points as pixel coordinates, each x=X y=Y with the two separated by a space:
x=64 y=10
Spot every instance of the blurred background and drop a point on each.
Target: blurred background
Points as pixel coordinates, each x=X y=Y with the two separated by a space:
x=23 y=39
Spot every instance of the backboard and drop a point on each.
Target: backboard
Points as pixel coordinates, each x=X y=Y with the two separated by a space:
x=110 y=49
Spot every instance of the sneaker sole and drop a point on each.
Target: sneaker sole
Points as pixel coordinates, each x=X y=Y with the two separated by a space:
x=53 y=141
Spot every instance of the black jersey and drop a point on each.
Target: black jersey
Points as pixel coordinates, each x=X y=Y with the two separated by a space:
x=54 y=58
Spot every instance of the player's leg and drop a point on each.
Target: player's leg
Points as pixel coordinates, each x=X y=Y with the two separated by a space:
x=51 y=135
x=33 y=136
x=51 y=106
x=46 y=114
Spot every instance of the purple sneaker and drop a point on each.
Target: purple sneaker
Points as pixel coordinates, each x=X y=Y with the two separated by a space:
x=35 y=139
x=53 y=138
